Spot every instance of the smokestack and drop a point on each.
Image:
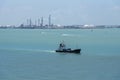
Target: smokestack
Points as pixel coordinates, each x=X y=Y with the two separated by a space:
x=49 y=20
x=30 y=23
x=27 y=22
x=38 y=22
x=35 y=23
x=41 y=21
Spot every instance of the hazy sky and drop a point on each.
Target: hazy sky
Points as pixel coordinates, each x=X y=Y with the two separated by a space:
x=64 y=12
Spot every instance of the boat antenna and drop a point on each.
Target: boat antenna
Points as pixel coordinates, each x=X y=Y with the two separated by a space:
x=63 y=41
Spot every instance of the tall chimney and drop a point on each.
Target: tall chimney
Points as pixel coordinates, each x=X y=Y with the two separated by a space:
x=41 y=21
x=49 y=20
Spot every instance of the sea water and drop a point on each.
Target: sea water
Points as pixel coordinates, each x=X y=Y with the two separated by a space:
x=29 y=54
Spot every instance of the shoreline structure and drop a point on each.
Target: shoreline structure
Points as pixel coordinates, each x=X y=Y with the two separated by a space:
x=39 y=24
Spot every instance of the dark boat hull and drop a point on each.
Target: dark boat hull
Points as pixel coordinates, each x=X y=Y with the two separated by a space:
x=76 y=51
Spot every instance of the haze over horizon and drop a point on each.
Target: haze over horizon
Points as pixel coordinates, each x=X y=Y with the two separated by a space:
x=63 y=12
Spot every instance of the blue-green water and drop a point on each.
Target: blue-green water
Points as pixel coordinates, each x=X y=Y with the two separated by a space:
x=29 y=54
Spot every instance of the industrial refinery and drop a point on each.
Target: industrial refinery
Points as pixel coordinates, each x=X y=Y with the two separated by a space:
x=39 y=24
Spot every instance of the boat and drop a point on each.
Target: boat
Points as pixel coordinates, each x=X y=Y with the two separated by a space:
x=62 y=49
x=77 y=51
